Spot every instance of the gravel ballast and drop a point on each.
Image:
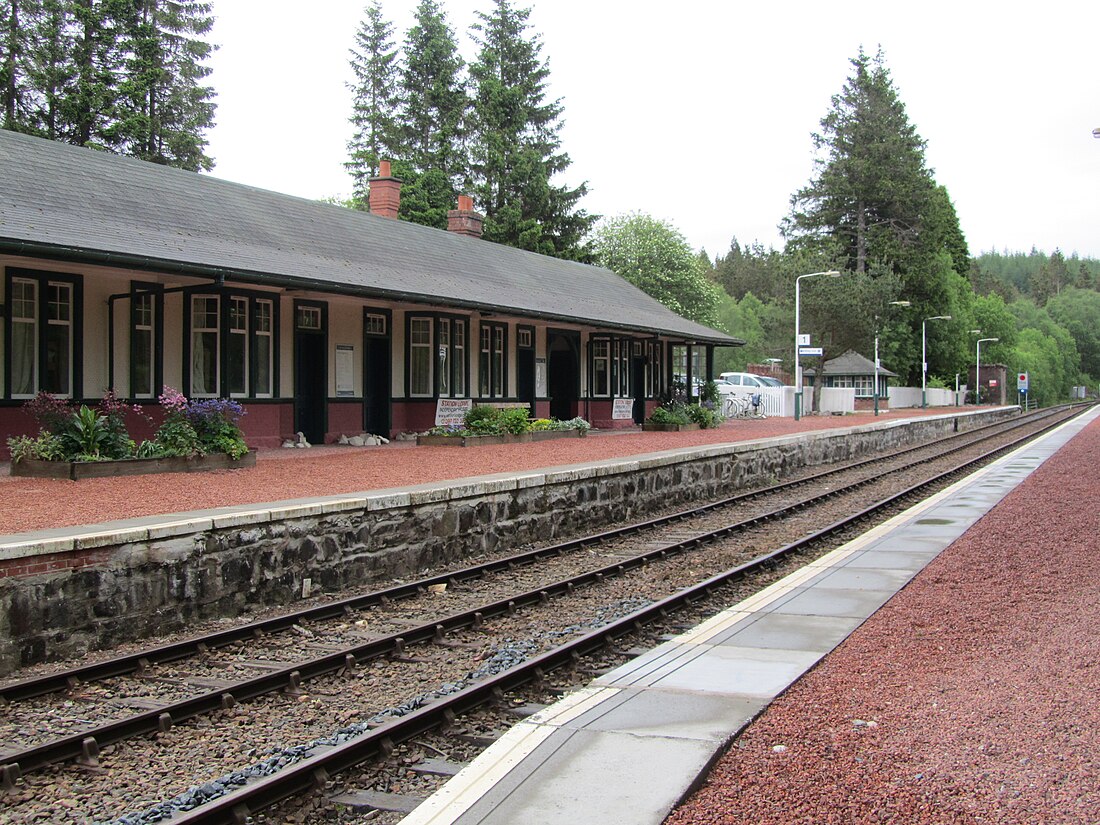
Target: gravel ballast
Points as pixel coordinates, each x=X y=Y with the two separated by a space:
x=970 y=697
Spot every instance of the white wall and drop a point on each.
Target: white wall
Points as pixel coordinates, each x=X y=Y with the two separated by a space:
x=911 y=397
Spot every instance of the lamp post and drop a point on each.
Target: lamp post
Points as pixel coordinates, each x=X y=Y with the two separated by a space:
x=924 y=357
x=832 y=273
x=875 y=392
x=978 y=369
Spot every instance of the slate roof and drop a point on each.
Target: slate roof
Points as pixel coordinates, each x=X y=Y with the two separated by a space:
x=80 y=204
x=851 y=363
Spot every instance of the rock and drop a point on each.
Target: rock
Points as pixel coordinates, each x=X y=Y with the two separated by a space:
x=343 y=439
x=356 y=441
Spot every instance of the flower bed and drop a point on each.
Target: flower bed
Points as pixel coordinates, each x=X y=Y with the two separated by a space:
x=651 y=427
x=485 y=425
x=504 y=438
x=91 y=442
x=76 y=470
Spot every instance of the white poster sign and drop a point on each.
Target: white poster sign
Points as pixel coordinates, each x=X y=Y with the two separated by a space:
x=540 y=377
x=622 y=409
x=345 y=358
x=451 y=412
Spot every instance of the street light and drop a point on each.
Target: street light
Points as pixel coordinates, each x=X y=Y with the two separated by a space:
x=924 y=357
x=875 y=393
x=978 y=368
x=832 y=273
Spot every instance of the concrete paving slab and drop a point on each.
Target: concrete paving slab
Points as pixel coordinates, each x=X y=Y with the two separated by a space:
x=665 y=713
x=834 y=601
x=587 y=767
x=790 y=632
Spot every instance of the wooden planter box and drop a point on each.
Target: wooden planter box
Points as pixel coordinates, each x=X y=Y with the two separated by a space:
x=486 y=440
x=76 y=470
x=668 y=428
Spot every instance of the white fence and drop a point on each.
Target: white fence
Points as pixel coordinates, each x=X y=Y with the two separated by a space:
x=833 y=399
x=775 y=402
x=911 y=397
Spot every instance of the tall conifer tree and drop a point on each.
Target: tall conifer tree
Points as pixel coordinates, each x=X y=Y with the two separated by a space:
x=871 y=188
x=165 y=108
x=375 y=101
x=516 y=147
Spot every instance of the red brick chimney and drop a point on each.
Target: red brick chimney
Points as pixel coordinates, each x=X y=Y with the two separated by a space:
x=464 y=220
x=384 y=196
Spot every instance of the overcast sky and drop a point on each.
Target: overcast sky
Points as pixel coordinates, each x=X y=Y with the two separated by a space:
x=700 y=112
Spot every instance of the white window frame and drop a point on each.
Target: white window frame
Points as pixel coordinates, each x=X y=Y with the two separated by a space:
x=237 y=324
x=601 y=378
x=26 y=320
x=264 y=327
x=205 y=330
x=145 y=320
x=421 y=345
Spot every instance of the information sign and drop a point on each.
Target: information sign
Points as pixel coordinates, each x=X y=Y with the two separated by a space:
x=1021 y=381
x=810 y=351
x=451 y=412
x=622 y=409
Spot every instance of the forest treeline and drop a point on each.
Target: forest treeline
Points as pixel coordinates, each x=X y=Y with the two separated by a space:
x=129 y=76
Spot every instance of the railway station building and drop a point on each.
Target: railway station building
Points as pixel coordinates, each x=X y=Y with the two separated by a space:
x=118 y=274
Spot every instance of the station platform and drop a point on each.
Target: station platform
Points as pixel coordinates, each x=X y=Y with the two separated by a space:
x=630 y=747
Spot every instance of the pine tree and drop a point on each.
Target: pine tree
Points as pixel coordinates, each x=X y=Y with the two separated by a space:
x=872 y=186
x=121 y=75
x=164 y=107
x=516 y=146
x=375 y=101
x=434 y=101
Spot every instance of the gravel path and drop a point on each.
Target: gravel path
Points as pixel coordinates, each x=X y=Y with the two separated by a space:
x=971 y=697
x=36 y=504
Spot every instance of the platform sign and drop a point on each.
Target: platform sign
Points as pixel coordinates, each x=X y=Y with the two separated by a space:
x=804 y=339
x=451 y=412
x=622 y=409
x=811 y=351
x=1021 y=382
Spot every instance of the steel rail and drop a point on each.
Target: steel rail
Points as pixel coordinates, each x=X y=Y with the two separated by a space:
x=135 y=662
x=85 y=745
x=313 y=772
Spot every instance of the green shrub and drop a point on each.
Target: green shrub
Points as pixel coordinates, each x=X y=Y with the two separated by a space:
x=46 y=447
x=671 y=413
x=703 y=416
x=514 y=420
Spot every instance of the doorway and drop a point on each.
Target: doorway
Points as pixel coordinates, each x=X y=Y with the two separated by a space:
x=563 y=373
x=376 y=372
x=310 y=369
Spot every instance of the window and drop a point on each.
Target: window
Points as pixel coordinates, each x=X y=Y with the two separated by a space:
x=375 y=324
x=653 y=369
x=420 y=356
x=621 y=369
x=601 y=367
x=142 y=350
x=263 y=328
x=491 y=365
x=445 y=359
x=204 y=346
x=24 y=338
x=234 y=346
x=237 y=347
x=309 y=317
x=458 y=380
x=43 y=334
x=524 y=337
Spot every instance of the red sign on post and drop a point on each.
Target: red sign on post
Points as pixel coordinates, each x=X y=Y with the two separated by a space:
x=992 y=382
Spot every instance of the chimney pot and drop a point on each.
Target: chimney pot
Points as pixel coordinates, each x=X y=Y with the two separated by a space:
x=464 y=220
x=384 y=195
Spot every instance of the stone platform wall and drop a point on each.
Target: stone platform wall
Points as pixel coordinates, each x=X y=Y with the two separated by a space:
x=95 y=588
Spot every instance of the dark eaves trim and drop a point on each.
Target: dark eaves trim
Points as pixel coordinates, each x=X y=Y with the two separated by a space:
x=145 y=262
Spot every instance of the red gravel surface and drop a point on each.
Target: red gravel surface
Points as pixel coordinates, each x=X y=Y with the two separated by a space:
x=971 y=697
x=35 y=504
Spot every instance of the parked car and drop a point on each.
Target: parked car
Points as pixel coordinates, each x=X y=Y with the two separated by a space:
x=746 y=379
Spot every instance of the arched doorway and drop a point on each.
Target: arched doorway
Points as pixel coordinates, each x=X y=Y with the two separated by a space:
x=563 y=373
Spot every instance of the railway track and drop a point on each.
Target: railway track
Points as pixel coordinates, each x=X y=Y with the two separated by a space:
x=463 y=637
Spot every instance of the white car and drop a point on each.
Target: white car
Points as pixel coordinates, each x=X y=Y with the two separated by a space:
x=744 y=379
